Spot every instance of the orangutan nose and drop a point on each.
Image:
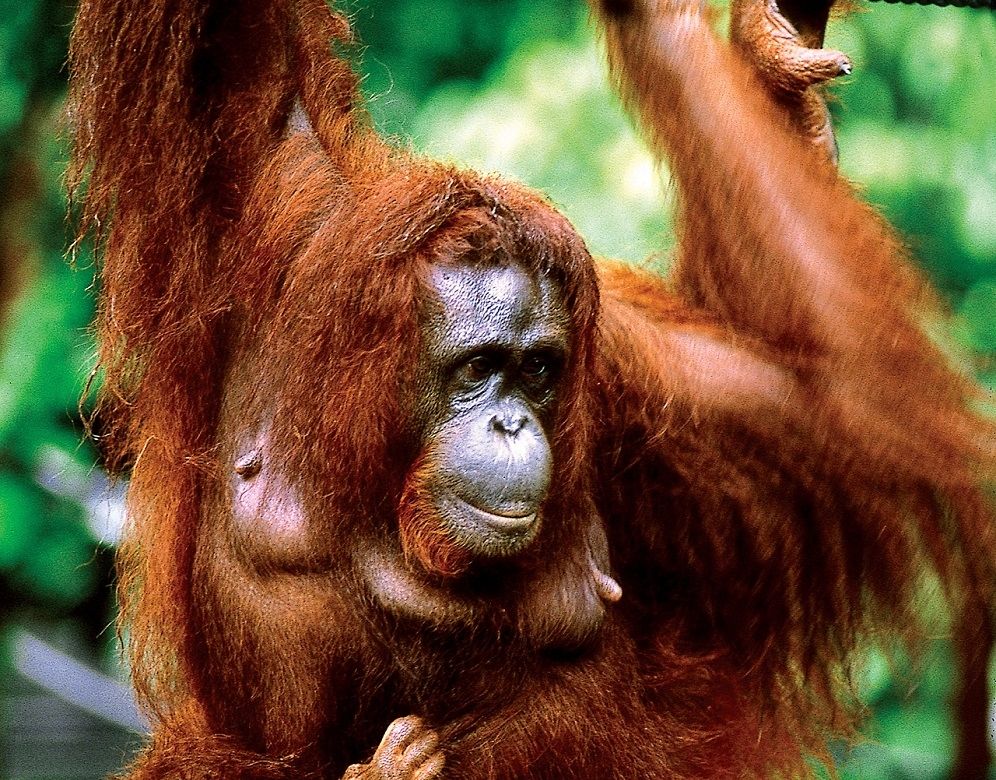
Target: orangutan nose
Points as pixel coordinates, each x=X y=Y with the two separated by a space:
x=509 y=423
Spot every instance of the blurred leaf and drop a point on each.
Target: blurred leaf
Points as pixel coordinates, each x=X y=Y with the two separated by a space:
x=931 y=65
x=549 y=120
x=20 y=513
x=60 y=569
x=13 y=94
x=978 y=315
x=875 y=676
x=868 y=95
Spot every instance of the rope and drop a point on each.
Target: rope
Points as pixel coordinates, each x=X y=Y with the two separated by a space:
x=990 y=4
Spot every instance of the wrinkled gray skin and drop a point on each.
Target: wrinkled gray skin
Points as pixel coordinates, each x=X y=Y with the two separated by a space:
x=496 y=340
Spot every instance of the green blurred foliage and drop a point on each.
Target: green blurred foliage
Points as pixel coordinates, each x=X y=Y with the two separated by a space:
x=516 y=87
x=917 y=127
x=411 y=47
x=546 y=117
x=46 y=548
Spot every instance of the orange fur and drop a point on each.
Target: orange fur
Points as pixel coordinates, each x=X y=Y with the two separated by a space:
x=424 y=536
x=777 y=454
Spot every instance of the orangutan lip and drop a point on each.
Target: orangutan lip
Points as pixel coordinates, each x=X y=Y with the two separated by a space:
x=508 y=523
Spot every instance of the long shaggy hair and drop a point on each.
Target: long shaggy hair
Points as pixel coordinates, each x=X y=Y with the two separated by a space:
x=779 y=458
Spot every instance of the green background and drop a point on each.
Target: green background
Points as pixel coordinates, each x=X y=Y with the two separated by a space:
x=517 y=87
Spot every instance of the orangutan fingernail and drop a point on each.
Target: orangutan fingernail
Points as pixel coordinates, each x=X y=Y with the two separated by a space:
x=845 y=69
x=249 y=465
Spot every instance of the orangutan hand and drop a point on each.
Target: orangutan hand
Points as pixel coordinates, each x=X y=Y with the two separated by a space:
x=409 y=750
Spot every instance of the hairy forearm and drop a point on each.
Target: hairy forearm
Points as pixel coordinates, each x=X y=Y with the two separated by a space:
x=774 y=243
x=784 y=233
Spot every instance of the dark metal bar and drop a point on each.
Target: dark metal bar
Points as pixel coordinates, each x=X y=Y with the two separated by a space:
x=990 y=4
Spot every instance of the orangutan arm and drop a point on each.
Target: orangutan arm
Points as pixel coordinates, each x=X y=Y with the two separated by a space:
x=805 y=444
x=775 y=245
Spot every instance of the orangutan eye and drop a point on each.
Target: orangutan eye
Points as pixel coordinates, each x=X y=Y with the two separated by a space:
x=536 y=366
x=478 y=368
x=540 y=369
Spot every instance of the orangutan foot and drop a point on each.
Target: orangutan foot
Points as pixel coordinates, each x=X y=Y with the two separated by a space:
x=787 y=60
x=782 y=44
